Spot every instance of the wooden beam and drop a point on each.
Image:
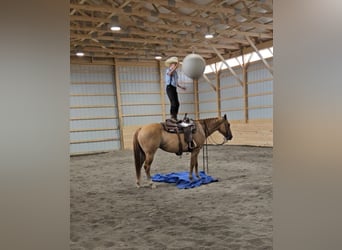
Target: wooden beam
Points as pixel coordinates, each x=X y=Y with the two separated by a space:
x=230 y=68
x=196 y=97
x=175 y=27
x=261 y=35
x=122 y=39
x=142 y=51
x=162 y=89
x=260 y=56
x=207 y=8
x=91 y=130
x=218 y=92
x=239 y=52
x=92 y=118
x=93 y=140
x=209 y=82
x=139 y=13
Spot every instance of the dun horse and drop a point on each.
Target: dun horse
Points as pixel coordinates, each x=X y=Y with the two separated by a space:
x=149 y=138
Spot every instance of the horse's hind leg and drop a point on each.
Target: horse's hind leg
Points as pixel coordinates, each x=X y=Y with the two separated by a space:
x=147 y=166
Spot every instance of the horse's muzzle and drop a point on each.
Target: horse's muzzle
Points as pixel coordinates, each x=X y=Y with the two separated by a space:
x=229 y=137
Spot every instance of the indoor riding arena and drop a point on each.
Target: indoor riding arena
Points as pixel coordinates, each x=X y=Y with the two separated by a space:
x=117 y=85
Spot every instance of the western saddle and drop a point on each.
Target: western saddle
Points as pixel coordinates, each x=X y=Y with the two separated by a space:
x=186 y=126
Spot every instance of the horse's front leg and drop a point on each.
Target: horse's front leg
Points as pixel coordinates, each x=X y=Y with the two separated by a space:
x=194 y=163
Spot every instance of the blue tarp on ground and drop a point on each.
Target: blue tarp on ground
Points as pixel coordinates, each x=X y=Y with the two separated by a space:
x=182 y=179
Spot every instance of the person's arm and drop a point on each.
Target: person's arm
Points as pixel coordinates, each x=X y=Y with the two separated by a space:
x=180 y=86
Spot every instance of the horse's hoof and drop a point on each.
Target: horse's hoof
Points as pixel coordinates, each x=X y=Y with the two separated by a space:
x=153 y=185
x=137 y=186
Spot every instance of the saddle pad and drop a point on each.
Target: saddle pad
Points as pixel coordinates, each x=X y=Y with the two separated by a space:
x=182 y=179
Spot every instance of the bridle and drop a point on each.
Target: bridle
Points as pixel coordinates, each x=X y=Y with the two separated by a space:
x=205 y=146
x=226 y=126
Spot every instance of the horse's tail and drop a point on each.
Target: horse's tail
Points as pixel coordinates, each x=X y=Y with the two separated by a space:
x=139 y=155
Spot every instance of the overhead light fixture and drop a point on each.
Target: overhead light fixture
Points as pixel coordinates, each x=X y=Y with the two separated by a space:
x=115 y=28
x=79 y=53
x=114 y=24
x=209 y=34
x=158 y=57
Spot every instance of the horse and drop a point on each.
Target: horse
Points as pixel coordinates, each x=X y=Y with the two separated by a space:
x=149 y=138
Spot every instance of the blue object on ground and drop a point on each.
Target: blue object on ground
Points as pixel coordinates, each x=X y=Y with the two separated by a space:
x=182 y=179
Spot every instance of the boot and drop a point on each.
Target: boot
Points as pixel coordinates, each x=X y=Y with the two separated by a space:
x=174 y=118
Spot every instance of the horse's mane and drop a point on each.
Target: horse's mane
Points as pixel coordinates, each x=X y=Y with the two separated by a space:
x=208 y=119
x=206 y=124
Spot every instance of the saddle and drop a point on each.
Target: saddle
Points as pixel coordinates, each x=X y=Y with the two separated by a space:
x=186 y=126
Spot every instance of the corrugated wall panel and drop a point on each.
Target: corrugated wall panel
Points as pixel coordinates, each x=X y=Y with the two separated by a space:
x=93 y=110
x=91 y=147
x=142 y=120
x=140 y=94
x=92 y=100
x=232 y=102
x=207 y=97
x=140 y=98
x=141 y=109
x=94 y=124
x=93 y=135
x=260 y=91
x=92 y=88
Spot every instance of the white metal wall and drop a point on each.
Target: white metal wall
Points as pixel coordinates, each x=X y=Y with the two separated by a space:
x=260 y=91
x=232 y=102
x=207 y=97
x=94 y=123
x=140 y=93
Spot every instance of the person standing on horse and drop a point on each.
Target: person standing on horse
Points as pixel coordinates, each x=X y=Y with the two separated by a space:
x=171 y=81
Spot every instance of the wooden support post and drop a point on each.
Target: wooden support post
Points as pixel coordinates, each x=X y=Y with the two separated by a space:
x=245 y=91
x=218 y=93
x=196 y=104
x=118 y=100
x=260 y=56
x=162 y=90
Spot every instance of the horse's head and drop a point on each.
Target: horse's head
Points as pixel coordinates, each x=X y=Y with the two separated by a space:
x=224 y=128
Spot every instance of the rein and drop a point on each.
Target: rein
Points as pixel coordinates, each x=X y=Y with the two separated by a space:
x=205 y=146
x=205 y=149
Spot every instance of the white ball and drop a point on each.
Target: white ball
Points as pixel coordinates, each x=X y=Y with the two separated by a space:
x=193 y=66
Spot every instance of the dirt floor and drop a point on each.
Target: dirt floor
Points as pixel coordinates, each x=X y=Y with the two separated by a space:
x=109 y=212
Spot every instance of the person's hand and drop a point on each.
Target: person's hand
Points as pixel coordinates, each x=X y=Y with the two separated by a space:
x=174 y=66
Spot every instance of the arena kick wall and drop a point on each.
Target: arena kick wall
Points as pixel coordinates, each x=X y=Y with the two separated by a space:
x=110 y=100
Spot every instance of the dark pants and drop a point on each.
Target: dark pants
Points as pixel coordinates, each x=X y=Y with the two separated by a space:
x=173 y=97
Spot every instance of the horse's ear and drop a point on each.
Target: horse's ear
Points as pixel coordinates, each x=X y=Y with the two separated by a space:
x=225 y=117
